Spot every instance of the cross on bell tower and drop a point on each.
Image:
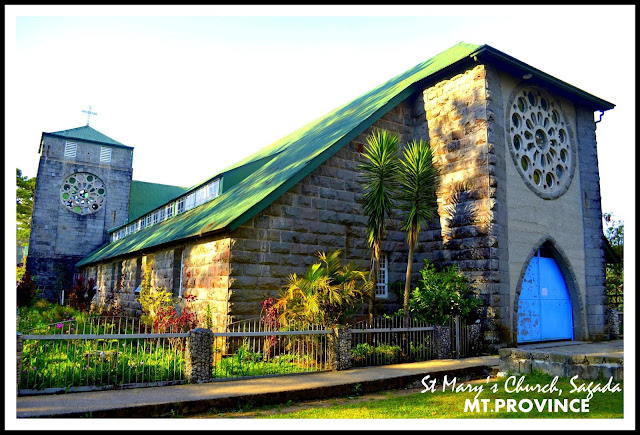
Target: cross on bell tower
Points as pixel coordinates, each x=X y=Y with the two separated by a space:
x=89 y=113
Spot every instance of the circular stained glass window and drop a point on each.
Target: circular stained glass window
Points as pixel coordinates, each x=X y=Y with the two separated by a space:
x=540 y=143
x=82 y=193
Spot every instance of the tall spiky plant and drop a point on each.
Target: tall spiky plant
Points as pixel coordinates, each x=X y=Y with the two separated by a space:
x=416 y=198
x=378 y=174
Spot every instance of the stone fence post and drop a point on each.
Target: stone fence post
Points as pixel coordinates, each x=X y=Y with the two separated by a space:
x=339 y=347
x=442 y=339
x=475 y=343
x=614 y=324
x=199 y=356
x=19 y=361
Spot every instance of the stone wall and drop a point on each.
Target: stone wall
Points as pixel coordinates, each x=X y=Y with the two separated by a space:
x=322 y=213
x=462 y=137
x=206 y=275
x=594 y=269
x=202 y=264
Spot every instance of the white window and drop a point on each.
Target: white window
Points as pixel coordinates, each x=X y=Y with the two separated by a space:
x=142 y=224
x=180 y=208
x=213 y=188
x=154 y=218
x=121 y=233
x=147 y=218
x=105 y=154
x=190 y=201
x=70 y=149
x=162 y=214
x=181 y=269
x=382 y=287
x=200 y=196
x=170 y=210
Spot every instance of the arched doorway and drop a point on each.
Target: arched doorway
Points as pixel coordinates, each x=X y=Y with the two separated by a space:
x=544 y=308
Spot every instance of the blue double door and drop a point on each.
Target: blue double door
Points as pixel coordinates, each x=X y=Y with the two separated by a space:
x=544 y=307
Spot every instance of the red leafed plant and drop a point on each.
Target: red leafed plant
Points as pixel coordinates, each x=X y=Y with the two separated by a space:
x=269 y=318
x=26 y=290
x=82 y=293
x=168 y=320
x=269 y=313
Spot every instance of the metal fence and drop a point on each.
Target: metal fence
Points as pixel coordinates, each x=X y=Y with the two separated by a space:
x=251 y=348
x=388 y=341
x=100 y=353
x=461 y=342
x=121 y=352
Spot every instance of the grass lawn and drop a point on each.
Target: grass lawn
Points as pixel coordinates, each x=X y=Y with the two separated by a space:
x=451 y=405
x=411 y=403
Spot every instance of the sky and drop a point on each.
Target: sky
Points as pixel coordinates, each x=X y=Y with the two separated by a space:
x=196 y=88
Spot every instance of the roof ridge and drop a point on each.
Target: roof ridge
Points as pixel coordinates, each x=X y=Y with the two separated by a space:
x=87 y=133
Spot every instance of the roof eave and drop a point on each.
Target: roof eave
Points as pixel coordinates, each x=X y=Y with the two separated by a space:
x=87 y=140
x=85 y=263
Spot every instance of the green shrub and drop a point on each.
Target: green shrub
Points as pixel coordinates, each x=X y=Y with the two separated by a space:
x=442 y=295
x=153 y=300
x=361 y=351
x=43 y=313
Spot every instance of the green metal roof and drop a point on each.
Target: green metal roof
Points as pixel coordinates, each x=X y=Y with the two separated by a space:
x=279 y=166
x=87 y=134
x=149 y=196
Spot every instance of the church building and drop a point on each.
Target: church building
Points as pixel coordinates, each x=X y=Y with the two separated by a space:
x=518 y=204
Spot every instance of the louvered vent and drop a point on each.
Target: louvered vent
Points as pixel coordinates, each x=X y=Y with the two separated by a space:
x=70 y=149
x=105 y=154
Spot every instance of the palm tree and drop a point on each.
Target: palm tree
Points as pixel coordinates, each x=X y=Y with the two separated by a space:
x=325 y=294
x=379 y=179
x=418 y=179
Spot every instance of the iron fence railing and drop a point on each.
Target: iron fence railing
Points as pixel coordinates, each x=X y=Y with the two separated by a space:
x=389 y=341
x=460 y=338
x=100 y=353
x=251 y=348
x=121 y=352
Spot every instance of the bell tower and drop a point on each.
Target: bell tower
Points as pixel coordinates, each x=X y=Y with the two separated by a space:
x=82 y=190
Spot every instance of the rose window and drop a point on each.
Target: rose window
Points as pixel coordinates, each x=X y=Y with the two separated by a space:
x=82 y=193
x=540 y=144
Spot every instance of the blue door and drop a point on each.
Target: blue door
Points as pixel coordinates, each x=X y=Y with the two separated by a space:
x=544 y=308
